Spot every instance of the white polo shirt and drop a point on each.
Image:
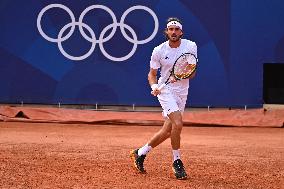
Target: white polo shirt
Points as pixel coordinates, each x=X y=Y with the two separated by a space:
x=164 y=57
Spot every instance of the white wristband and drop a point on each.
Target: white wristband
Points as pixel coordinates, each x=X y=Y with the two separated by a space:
x=154 y=86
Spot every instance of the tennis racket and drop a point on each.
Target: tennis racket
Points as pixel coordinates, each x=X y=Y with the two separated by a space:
x=183 y=68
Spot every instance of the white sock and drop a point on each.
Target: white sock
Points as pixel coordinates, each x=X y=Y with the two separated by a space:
x=144 y=150
x=176 y=154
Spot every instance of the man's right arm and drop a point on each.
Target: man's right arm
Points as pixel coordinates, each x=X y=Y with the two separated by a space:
x=152 y=78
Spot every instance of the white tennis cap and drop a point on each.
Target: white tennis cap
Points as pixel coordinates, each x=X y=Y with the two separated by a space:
x=174 y=23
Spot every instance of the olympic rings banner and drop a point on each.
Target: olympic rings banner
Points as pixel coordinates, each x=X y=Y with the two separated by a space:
x=98 y=52
x=102 y=39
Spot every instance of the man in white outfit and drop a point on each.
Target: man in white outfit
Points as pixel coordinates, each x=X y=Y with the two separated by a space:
x=172 y=97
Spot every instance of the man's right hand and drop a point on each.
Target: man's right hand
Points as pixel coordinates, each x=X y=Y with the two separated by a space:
x=155 y=90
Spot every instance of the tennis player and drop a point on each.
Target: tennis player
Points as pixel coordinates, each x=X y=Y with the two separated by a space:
x=172 y=97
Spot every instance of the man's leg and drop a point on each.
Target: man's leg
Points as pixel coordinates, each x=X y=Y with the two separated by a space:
x=177 y=124
x=139 y=155
x=162 y=134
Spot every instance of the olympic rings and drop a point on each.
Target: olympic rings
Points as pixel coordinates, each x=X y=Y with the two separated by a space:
x=60 y=38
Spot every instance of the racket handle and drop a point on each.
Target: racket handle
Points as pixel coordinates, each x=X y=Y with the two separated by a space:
x=162 y=86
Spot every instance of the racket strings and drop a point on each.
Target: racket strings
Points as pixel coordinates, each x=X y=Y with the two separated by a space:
x=185 y=66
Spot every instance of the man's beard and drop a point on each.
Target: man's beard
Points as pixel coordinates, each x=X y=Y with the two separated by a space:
x=177 y=38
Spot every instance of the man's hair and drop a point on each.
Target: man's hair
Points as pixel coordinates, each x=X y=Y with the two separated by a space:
x=173 y=19
x=169 y=20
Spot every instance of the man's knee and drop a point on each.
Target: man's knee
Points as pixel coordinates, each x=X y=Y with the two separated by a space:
x=178 y=125
x=176 y=120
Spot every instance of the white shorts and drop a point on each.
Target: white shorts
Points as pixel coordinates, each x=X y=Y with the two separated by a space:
x=171 y=101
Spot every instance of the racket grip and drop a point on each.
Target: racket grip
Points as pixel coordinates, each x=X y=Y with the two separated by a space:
x=162 y=86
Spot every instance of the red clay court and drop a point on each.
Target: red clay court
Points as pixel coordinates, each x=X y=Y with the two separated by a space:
x=57 y=153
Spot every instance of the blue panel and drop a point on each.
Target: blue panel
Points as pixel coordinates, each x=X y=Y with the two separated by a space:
x=234 y=39
x=256 y=29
